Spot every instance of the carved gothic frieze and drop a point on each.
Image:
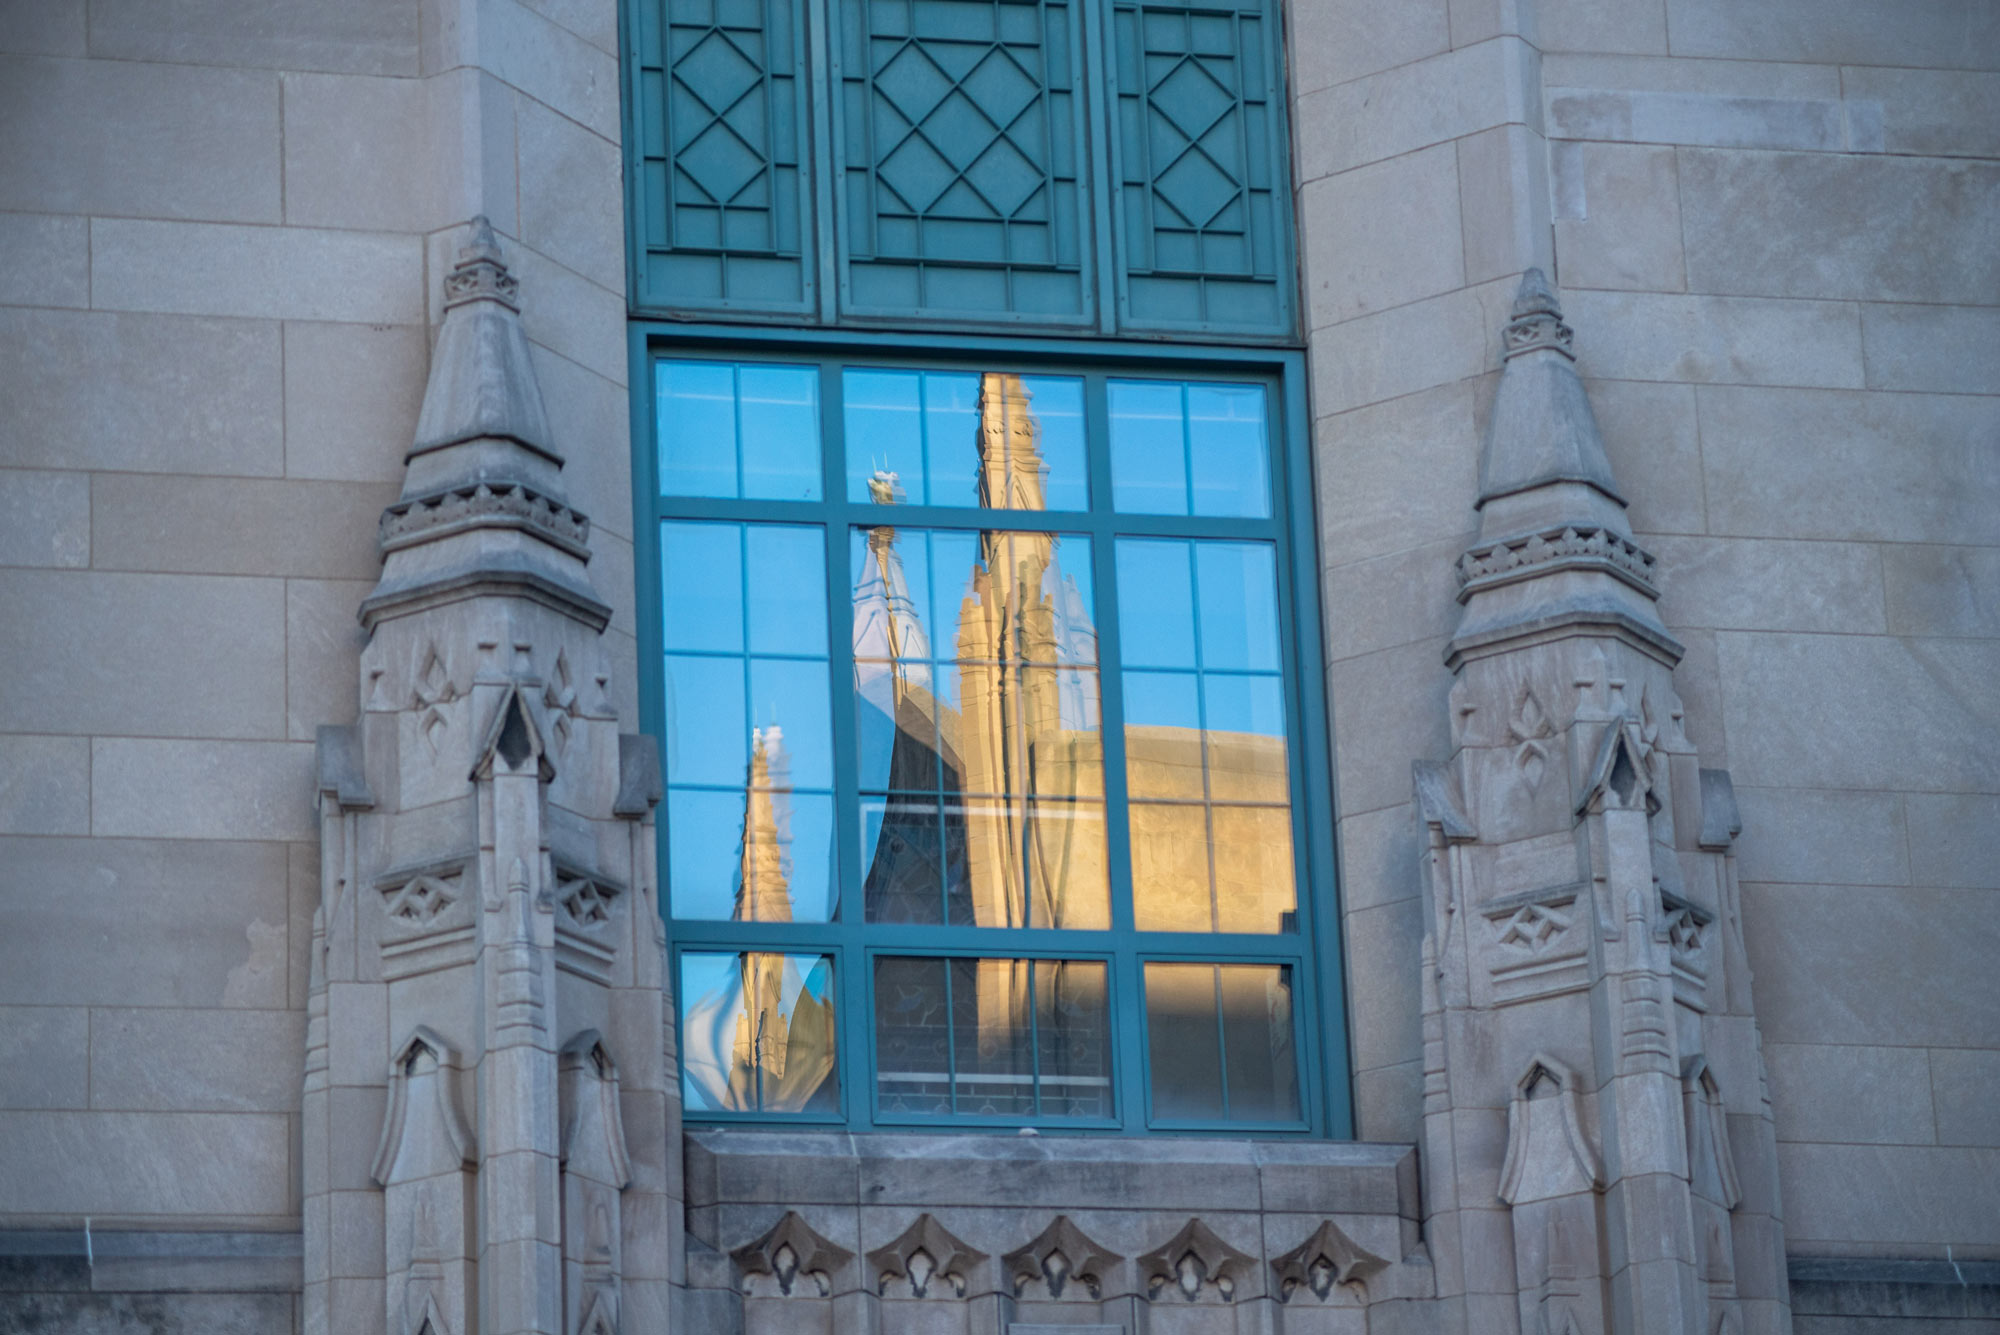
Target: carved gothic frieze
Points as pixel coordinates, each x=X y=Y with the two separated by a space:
x=1322 y=1263
x=923 y=1254
x=1060 y=1255
x=1197 y=1264
x=791 y=1249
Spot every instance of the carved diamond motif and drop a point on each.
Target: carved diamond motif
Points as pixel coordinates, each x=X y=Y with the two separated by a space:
x=1533 y=926
x=420 y=899
x=585 y=902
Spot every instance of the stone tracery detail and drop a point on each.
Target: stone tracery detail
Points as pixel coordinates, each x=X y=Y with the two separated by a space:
x=1061 y=1254
x=921 y=1255
x=1193 y=1262
x=1327 y=1259
x=792 y=1248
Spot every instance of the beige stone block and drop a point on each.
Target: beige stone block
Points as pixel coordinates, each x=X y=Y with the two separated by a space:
x=283 y=273
x=44 y=258
x=1884 y=1194
x=611 y=574
x=355 y=153
x=1503 y=183
x=1861 y=964
x=1850 y=1095
x=1716 y=340
x=354 y=37
x=1707 y=120
x=1389 y=1103
x=572 y=201
x=182 y=1164
x=1387 y=483
x=596 y=21
x=1400 y=351
x=323 y=640
x=352 y=393
x=112 y=136
x=1402 y=598
x=42 y=27
x=1799 y=463
x=1378 y=858
x=1698 y=682
x=1716 y=78
x=44 y=1057
x=1416 y=105
x=1942 y=590
x=622 y=653
x=232 y=526
x=44 y=784
x=159 y=1060
x=472 y=126
x=592 y=421
x=1944 y=349
x=146 y=788
x=549 y=63
x=1822 y=836
x=1651 y=438
x=1860 y=711
x=1635 y=27
x=44 y=518
x=158 y=655
x=123 y=922
x=1934 y=113
x=1332 y=41
x=1759 y=584
x=54 y=411
x=1954 y=839
x=1382 y=235
x=1837 y=225
x=1965 y=1090
x=1932 y=33
x=1388 y=709
x=1618 y=219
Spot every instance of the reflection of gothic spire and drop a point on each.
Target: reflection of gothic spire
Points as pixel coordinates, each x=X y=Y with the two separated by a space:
x=1011 y=474
x=763 y=891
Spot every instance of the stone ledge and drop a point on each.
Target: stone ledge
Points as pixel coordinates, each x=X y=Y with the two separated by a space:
x=133 y=1261
x=1894 y=1287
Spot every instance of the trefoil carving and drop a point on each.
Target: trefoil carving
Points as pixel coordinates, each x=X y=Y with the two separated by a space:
x=1323 y=1262
x=925 y=1252
x=1061 y=1254
x=792 y=1248
x=1194 y=1260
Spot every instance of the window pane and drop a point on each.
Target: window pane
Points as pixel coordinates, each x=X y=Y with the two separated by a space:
x=739 y=430
x=1189 y=449
x=995 y=713
x=757 y=1033
x=1219 y=1038
x=903 y=851
x=701 y=569
x=785 y=588
x=986 y=1037
x=993 y=439
x=1209 y=732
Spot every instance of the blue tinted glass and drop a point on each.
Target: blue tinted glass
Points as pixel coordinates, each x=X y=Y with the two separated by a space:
x=780 y=432
x=990 y=438
x=1227 y=454
x=701 y=578
x=1162 y=700
x=788 y=703
x=951 y=438
x=1239 y=605
x=708 y=738
x=1155 y=603
x=697 y=407
x=807 y=818
x=704 y=851
x=787 y=589
x=1244 y=704
x=885 y=436
x=1056 y=406
x=1148 y=448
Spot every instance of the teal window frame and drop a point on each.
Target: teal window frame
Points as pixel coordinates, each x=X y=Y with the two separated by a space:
x=1313 y=951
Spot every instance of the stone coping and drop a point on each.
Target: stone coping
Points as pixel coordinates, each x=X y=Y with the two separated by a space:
x=727 y=1165
x=163 y=1261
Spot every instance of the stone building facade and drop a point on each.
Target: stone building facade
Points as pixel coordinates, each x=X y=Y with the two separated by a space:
x=1653 y=351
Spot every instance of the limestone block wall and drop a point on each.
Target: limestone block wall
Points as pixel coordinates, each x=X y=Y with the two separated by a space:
x=1773 y=229
x=218 y=228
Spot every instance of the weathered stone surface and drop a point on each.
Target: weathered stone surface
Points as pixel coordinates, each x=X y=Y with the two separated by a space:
x=1747 y=583
x=157 y=1060
x=1718 y=340
x=42 y=27
x=1382 y=971
x=1943 y=349
x=1332 y=41
x=44 y=785
x=566 y=213
x=44 y=1057
x=1954 y=839
x=1851 y=31
x=213 y=664
x=1398 y=352
x=473 y=112
x=1617 y=219
x=1785 y=225
x=282 y=273
x=1503 y=186
x=152 y=1314
x=348 y=156
x=1704 y=120
x=1384 y=235
x=246 y=526
x=115 y=137
x=1380 y=701
x=1886 y=1196
x=1851 y=1095
x=47 y=258
x=142 y=923
x=591 y=418
x=184 y=1164
x=1965 y=1089
x=574 y=316
x=1834 y=965
x=351 y=399
x=369 y=37
x=1931 y=112
x=546 y=61
x=54 y=412
x=323 y=643
x=1403 y=598
x=1794 y=463
x=1652 y=439
x=1419 y=104
x=145 y=788
x=1377 y=494
x=1625 y=26
x=1824 y=836
x=44 y=519
x=1913 y=714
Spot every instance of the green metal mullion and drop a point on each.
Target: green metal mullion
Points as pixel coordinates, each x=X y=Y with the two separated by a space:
x=1098 y=97
x=1221 y=1042
x=1034 y=1046
x=818 y=162
x=1057 y=353
x=1201 y=720
x=646 y=582
x=950 y=1042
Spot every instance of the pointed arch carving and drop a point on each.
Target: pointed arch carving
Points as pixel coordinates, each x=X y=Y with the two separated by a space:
x=422 y=1085
x=593 y=1131
x=925 y=1252
x=1194 y=1260
x=1060 y=1254
x=1547 y=1156
x=1323 y=1262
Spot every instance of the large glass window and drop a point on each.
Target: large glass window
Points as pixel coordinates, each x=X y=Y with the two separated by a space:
x=987 y=763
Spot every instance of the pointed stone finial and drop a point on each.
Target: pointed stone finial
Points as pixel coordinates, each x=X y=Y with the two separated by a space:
x=1537 y=321
x=1542 y=431
x=480 y=274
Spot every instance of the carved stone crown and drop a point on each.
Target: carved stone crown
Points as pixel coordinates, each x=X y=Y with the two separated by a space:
x=1537 y=320
x=479 y=273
